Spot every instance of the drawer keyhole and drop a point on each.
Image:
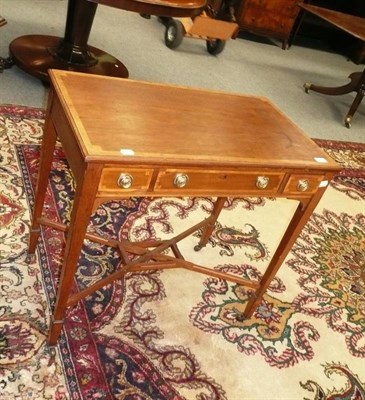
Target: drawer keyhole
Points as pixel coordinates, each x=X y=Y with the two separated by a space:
x=181 y=180
x=125 y=181
x=262 y=182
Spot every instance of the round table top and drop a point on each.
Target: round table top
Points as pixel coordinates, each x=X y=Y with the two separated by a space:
x=168 y=8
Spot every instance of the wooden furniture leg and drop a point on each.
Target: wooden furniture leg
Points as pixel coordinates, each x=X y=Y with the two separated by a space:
x=209 y=228
x=356 y=84
x=45 y=163
x=360 y=90
x=352 y=25
x=80 y=217
x=299 y=219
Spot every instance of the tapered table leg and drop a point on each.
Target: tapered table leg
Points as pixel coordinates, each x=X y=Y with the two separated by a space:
x=299 y=219
x=82 y=208
x=209 y=228
x=45 y=162
x=278 y=258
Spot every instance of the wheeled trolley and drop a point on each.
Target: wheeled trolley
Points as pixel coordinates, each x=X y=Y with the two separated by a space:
x=215 y=32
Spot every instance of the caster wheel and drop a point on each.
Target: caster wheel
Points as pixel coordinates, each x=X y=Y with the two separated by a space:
x=174 y=33
x=164 y=20
x=215 y=46
x=198 y=247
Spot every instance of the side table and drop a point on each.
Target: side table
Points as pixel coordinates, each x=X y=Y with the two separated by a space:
x=169 y=141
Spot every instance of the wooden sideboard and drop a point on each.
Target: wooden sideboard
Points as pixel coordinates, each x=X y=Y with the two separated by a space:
x=278 y=18
x=268 y=18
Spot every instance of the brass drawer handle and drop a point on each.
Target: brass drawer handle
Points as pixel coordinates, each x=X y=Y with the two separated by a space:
x=125 y=180
x=262 y=182
x=303 y=185
x=181 y=180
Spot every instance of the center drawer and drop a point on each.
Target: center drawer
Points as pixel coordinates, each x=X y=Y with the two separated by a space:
x=210 y=181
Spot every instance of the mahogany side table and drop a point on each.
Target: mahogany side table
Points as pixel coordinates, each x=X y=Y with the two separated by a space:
x=169 y=141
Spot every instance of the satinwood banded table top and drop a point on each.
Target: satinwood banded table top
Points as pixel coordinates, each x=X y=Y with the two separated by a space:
x=131 y=122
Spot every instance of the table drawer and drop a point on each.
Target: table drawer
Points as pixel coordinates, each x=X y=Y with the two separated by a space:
x=119 y=180
x=201 y=182
x=303 y=183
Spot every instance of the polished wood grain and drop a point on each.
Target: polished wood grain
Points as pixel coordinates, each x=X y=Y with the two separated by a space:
x=351 y=24
x=271 y=18
x=167 y=125
x=125 y=138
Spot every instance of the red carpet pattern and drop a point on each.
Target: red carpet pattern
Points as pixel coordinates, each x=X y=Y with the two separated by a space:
x=176 y=334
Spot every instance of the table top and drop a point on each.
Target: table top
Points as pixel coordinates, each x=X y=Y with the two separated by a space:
x=138 y=123
x=351 y=24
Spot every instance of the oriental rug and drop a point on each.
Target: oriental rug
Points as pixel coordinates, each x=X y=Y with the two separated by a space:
x=174 y=334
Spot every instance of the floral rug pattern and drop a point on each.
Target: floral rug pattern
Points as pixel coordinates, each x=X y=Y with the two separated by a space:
x=177 y=334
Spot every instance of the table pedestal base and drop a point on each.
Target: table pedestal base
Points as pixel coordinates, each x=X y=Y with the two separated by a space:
x=36 y=54
x=356 y=84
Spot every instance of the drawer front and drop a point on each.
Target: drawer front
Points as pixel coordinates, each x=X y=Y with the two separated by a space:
x=200 y=182
x=119 y=180
x=303 y=184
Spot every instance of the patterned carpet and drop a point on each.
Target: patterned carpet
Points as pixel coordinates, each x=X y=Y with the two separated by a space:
x=174 y=334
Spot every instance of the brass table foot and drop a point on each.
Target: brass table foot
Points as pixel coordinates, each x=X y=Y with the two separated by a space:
x=30 y=258
x=52 y=355
x=307 y=87
x=348 y=122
